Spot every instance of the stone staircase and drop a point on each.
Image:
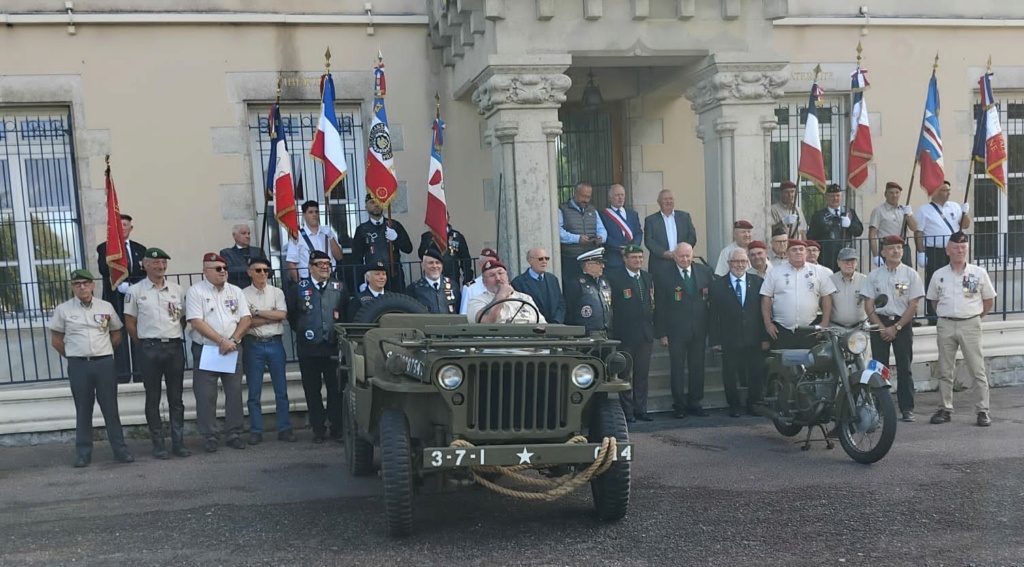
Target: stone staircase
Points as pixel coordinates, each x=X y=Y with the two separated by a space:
x=659 y=395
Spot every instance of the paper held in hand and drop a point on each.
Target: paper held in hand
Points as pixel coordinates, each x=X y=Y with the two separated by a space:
x=213 y=361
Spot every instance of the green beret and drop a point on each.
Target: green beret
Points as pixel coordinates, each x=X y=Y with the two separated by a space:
x=632 y=249
x=82 y=274
x=155 y=254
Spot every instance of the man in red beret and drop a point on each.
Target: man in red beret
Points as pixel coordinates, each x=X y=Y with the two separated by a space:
x=813 y=253
x=219 y=315
x=792 y=296
x=495 y=279
x=786 y=213
x=475 y=287
x=742 y=235
x=757 y=253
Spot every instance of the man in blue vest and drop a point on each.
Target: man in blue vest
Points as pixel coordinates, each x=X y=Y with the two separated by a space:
x=622 y=224
x=580 y=230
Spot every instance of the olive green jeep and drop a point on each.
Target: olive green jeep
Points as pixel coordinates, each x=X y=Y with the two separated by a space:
x=449 y=404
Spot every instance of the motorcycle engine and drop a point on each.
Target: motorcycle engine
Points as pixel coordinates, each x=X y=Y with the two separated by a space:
x=812 y=389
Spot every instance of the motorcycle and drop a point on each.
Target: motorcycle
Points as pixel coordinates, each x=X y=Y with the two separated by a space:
x=829 y=382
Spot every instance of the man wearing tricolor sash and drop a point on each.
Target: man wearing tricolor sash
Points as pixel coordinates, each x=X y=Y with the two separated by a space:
x=622 y=224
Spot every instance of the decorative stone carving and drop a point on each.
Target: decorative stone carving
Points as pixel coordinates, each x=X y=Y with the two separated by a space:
x=725 y=126
x=526 y=89
x=736 y=86
x=551 y=130
x=506 y=131
x=769 y=124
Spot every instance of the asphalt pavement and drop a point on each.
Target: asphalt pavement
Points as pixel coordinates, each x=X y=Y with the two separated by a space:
x=706 y=491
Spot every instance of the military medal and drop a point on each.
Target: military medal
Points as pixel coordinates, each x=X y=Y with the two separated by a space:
x=103 y=320
x=586 y=311
x=309 y=335
x=901 y=288
x=678 y=294
x=174 y=310
x=627 y=293
x=232 y=305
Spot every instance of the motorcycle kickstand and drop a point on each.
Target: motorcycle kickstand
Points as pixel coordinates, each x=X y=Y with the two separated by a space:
x=807 y=441
x=828 y=442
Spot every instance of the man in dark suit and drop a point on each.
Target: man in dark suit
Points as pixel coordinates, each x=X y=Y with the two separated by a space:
x=541 y=285
x=681 y=324
x=136 y=252
x=737 y=331
x=458 y=265
x=633 y=313
x=664 y=230
x=622 y=224
x=436 y=291
x=239 y=256
x=381 y=240
x=834 y=226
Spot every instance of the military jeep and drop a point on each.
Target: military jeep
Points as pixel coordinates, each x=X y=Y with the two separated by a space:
x=449 y=404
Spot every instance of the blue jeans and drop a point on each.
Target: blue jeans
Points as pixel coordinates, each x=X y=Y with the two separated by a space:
x=257 y=356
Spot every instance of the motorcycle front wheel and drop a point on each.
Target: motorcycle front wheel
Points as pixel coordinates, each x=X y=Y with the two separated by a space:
x=868 y=433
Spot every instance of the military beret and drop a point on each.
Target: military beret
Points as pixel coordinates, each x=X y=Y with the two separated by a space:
x=632 y=249
x=126 y=217
x=795 y=242
x=787 y=185
x=81 y=274
x=156 y=253
x=214 y=257
x=433 y=253
x=376 y=267
x=490 y=253
x=892 y=239
x=958 y=237
x=891 y=184
x=812 y=244
x=742 y=224
x=318 y=255
x=834 y=188
x=757 y=244
x=595 y=255
x=847 y=254
x=491 y=264
x=779 y=231
x=259 y=260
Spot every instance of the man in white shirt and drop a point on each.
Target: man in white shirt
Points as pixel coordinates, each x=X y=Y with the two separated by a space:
x=376 y=278
x=847 y=301
x=322 y=238
x=475 y=287
x=792 y=296
x=664 y=230
x=495 y=279
x=742 y=235
x=937 y=220
x=757 y=253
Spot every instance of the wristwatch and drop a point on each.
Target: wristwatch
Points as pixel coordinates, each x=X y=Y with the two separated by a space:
x=233 y=339
x=255 y=312
x=898 y=327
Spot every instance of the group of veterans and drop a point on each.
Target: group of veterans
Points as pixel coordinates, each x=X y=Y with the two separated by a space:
x=757 y=297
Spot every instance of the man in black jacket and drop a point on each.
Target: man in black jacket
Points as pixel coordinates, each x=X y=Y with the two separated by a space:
x=681 y=324
x=437 y=292
x=664 y=230
x=633 y=313
x=588 y=298
x=381 y=240
x=124 y=355
x=834 y=226
x=239 y=256
x=737 y=331
x=541 y=285
x=458 y=264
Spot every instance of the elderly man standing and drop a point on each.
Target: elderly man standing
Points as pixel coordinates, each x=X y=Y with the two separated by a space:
x=436 y=291
x=779 y=242
x=742 y=235
x=85 y=330
x=888 y=219
x=792 y=296
x=622 y=224
x=239 y=256
x=541 y=285
x=633 y=312
x=664 y=230
x=961 y=294
x=219 y=315
x=903 y=290
x=154 y=315
x=786 y=213
x=579 y=229
x=757 y=254
x=814 y=254
x=458 y=265
x=588 y=299
x=495 y=280
x=681 y=324
x=263 y=348
x=936 y=221
x=847 y=301
x=475 y=287
x=834 y=226
x=375 y=278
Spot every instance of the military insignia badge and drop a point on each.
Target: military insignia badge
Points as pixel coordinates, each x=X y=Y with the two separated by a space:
x=174 y=310
x=627 y=294
x=586 y=311
x=103 y=320
x=232 y=305
x=678 y=295
x=901 y=288
x=309 y=335
x=303 y=283
x=335 y=285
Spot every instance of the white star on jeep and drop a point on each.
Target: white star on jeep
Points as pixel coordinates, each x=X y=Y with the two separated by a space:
x=524 y=457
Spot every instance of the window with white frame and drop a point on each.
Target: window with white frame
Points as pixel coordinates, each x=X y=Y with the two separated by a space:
x=344 y=210
x=998 y=216
x=40 y=228
x=791 y=118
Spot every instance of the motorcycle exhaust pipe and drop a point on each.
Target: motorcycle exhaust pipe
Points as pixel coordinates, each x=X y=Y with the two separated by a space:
x=765 y=411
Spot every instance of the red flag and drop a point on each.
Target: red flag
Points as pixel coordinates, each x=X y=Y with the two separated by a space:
x=116 y=259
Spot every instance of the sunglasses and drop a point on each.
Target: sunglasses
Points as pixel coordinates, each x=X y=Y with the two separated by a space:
x=261 y=270
x=542 y=258
x=218 y=268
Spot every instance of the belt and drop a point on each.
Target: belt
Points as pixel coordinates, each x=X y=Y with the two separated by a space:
x=896 y=317
x=90 y=358
x=160 y=340
x=256 y=339
x=959 y=318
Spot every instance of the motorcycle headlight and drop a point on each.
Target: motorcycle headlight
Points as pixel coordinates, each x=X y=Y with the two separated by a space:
x=856 y=342
x=583 y=375
x=449 y=377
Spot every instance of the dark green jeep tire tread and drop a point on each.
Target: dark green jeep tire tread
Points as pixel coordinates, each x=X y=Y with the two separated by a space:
x=611 y=489
x=396 y=471
x=358 y=451
x=388 y=303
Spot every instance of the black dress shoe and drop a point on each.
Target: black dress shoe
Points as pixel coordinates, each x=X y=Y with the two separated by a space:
x=255 y=438
x=699 y=412
x=941 y=416
x=125 y=457
x=735 y=412
x=82 y=461
x=236 y=443
x=287 y=435
x=645 y=417
x=210 y=445
x=180 y=451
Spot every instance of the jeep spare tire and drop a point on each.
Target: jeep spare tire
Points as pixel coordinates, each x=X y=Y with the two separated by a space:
x=387 y=303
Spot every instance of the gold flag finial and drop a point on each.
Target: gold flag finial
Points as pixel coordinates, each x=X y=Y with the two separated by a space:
x=935 y=65
x=860 y=49
x=437 y=103
x=327 y=60
x=817 y=71
x=988 y=66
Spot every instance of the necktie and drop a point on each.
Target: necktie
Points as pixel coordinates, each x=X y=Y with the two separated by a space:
x=739 y=291
x=639 y=286
x=321 y=286
x=128 y=253
x=437 y=286
x=621 y=214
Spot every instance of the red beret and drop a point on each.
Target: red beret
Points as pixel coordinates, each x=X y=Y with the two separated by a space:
x=490 y=253
x=812 y=244
x=795 y=242
x=490 y=265
x=214 y=257
x=757 y=244
x=893 y=239
x=742 y=224
x=787 y=185
x=892 y=184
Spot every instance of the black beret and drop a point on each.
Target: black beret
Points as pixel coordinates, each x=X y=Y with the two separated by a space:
x=318 y=255
x=958 y=237
x=433 y=253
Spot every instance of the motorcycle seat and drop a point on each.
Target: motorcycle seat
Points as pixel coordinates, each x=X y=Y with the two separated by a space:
x=794 y=356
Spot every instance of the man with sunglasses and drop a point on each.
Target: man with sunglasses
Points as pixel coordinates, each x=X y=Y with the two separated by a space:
x=219 y=315
x=317 y=303
x=541 y=286
x=264 y=349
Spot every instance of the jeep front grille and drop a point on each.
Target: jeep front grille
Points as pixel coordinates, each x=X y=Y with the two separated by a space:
x=517 y=396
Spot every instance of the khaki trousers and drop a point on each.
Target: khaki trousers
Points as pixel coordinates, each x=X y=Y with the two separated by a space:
x=965 y=335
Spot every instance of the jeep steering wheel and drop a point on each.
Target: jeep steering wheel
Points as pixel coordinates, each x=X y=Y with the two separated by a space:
x=493 y=304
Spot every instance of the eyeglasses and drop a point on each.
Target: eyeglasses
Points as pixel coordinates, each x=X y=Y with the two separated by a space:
x=218 y=268
x=321 y=264
x=81 y=284
x=542 y=258
x=261 y=270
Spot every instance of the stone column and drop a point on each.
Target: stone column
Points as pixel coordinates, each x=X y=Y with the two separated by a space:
x=552 y=130
x=731 y=96
x=521 y=105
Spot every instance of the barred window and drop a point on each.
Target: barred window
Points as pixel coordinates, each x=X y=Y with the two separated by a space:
x=588 y=151
x=40 y=226
x=344 y=211
x=785 y=148
x=997 y=213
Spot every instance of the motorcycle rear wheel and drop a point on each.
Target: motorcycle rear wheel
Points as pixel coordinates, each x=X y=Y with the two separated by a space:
x=868 y=433
x=777 y=391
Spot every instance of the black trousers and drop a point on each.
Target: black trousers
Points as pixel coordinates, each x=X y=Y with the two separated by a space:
x=162 y=362
x=791 y=339
x=318 y=371
x=903 y=347
x=742 y=364
x=936 y=258
x=634 y=402
x=687 y=356
x=92 y=382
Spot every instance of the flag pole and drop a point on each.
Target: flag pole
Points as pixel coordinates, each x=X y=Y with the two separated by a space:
x=391 y=244
x=268 y=191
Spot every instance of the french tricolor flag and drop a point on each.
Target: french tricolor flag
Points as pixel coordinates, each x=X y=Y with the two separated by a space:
x=861 y=151
x=812 y=166
x=437 y=208
x=327 y=146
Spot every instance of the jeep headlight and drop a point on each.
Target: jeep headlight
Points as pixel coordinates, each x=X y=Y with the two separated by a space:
x=856 y=342
x=449 y=377
x=583 y=375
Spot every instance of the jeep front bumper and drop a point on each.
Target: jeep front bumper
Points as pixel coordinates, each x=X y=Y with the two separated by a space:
x=537 y=455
